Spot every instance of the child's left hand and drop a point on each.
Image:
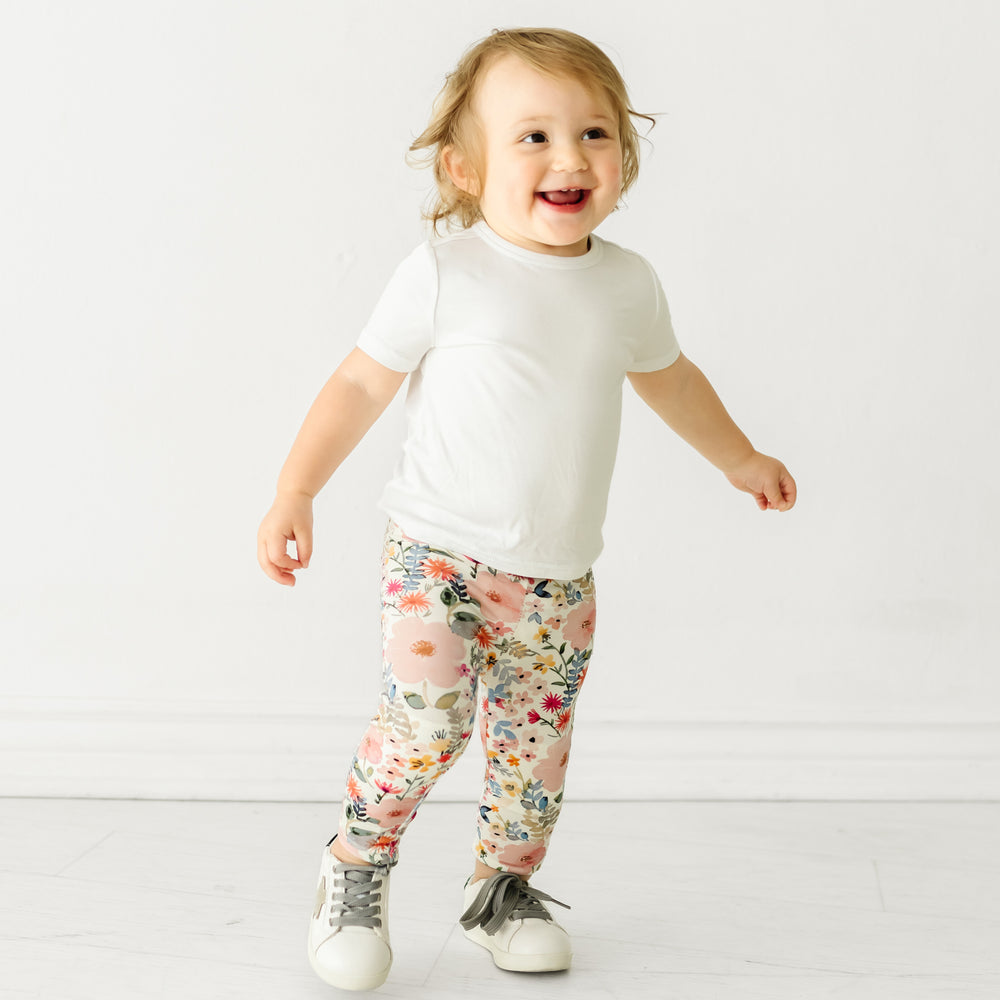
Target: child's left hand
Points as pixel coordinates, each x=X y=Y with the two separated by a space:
x=766 y=480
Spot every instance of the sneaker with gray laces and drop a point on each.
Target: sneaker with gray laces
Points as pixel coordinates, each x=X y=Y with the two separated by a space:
x=507 y=916
x=349 y=933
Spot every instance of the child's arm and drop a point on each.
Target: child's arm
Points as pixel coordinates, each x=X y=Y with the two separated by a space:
x=347 y=406
x=686 y=401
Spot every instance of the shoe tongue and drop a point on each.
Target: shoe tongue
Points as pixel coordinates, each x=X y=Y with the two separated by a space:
x=563 y=197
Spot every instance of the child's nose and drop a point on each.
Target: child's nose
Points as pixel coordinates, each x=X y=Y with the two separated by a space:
x=569 y=158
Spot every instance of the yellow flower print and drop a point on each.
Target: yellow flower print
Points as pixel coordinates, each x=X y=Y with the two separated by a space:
x=421 y=764
x=544 y=662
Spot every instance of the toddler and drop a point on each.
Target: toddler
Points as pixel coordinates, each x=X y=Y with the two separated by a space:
x=517 y=328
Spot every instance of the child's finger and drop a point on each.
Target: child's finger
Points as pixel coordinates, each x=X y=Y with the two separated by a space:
x=276 y=553
x=275 y=572
x=771 y=495
x=788 y=491
x=303 y=546
x=276 y=545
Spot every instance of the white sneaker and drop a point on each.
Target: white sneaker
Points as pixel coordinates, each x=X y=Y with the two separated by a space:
x=349 y=930
x=506 y=916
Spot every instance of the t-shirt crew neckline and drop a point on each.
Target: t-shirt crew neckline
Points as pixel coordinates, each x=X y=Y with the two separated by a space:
x=588 y=259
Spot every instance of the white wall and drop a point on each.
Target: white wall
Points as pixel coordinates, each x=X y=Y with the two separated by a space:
x=200 y=204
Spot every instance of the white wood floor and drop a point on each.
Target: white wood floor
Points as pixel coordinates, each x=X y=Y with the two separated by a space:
x=757 y=901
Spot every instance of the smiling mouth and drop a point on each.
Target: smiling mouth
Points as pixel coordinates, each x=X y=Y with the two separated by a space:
x=565 y=196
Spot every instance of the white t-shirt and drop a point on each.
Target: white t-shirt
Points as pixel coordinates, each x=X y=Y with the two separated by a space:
x=517 y=361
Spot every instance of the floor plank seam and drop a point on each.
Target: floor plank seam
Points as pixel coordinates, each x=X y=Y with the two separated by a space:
x=93 y=847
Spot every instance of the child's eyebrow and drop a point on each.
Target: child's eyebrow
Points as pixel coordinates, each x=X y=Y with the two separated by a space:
x=542 y=119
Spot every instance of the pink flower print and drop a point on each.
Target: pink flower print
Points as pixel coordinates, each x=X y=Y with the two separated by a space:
x=521 y=857
x=371 y=746
x=500 y=598
x=500 y=629
x=393 y=587
x=420 y=650
x=552 y=703
x=533 y=717
x=555 y=623
x=391 y=814
x=551 y=770
x=580 y=625
x=522 y=698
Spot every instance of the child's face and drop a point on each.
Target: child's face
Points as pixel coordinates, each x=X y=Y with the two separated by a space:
x=543 y=135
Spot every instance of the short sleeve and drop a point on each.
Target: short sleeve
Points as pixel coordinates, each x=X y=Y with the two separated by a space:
x=656 y=345
x=400 y=329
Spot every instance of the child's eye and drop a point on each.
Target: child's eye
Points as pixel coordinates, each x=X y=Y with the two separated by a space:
x=534 y=137
x=594 y=133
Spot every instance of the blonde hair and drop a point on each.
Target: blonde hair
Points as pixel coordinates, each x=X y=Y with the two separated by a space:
x=551 y=51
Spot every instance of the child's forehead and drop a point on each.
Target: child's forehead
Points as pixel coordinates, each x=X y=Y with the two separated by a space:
x=511 y=86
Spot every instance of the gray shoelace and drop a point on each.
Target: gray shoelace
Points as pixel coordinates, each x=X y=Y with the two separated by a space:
x=356 y=899
x=506 y=895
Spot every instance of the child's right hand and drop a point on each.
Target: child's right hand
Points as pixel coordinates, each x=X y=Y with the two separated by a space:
x=290 y=519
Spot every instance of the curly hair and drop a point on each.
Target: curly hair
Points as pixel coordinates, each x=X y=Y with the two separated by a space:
x=550 y=51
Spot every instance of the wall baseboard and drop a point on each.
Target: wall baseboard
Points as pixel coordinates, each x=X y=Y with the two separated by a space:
x=88 y=748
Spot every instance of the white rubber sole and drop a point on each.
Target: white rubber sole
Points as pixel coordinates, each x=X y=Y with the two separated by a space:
x=371 y=981
x=552 y=962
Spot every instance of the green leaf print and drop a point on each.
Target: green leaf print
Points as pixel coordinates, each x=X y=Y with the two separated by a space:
x=465 y=624
x=414 y=700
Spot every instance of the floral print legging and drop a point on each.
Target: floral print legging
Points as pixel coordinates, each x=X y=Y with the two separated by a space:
x=458 y=635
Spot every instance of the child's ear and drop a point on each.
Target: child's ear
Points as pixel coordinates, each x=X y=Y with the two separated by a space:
x=456 y=165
